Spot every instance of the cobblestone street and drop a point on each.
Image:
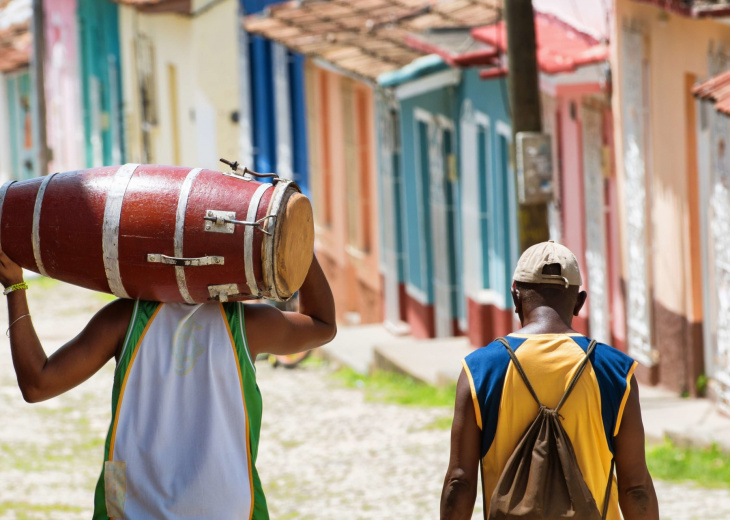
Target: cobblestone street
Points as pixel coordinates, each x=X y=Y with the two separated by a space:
x=325 y=453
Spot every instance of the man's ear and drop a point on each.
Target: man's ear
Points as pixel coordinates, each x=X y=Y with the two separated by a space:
x=516 y=298
x=580 y=302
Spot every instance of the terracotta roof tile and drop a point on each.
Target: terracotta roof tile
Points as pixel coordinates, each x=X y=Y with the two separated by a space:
x=716 y=89
x=693 y=8
x=159 y=6
x=16 y=44
x=366 y=37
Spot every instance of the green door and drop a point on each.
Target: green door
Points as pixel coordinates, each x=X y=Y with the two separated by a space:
x=21 y=115
x=101 y=80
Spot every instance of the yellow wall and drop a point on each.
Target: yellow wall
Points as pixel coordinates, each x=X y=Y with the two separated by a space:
x=675 y=46
x=196 y=68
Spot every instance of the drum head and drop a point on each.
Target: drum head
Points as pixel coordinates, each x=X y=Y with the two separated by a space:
x=294 y=245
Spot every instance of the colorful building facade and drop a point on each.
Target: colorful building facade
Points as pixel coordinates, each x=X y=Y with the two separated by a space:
x=673 y=309
x=182 y=100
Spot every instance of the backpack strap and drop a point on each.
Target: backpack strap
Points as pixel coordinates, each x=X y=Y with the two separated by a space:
x=607 y=496
x=578 y=373
x=520 y=369
x=573 y=381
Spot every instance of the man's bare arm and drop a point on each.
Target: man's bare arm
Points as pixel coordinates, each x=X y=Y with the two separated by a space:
x=636 y=493
x=460 y=485
x=276 y=332
x=41 y=377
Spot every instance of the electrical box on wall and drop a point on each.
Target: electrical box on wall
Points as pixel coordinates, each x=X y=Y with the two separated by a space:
x=534 y=168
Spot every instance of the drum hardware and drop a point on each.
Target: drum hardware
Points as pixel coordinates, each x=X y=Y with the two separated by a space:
x=185 y=262
x=219 y=219
x=222 y=292
x=245 y=173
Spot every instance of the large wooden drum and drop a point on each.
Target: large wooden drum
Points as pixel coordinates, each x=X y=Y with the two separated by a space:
x=162 y=233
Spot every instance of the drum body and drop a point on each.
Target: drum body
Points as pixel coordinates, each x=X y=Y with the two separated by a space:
x=161 y=233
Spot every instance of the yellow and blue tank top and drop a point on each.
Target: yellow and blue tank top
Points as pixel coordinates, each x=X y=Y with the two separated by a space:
x=186 y=417
x=591 y=416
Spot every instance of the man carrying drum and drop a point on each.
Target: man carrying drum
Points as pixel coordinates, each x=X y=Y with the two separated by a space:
x=186 y=409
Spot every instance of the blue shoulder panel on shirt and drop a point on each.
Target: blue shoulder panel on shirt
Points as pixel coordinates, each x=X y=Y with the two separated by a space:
x=488 y=367
x=611 y=367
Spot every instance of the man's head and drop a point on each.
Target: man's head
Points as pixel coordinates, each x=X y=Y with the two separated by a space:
x=547 y=275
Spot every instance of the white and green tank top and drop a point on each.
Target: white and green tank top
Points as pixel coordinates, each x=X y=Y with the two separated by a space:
x=186 y=417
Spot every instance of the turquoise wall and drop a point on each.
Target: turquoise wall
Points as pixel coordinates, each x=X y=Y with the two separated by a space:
x=496 y=175
x=415 y=197
x=101 y=81
x=498 y=223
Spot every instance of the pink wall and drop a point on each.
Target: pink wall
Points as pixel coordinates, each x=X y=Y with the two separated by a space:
x=571 y=159
x=64 y=125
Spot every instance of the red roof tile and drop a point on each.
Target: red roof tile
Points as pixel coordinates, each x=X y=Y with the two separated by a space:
x=693 y=8
x=455 y=47
x=366 y=37
x=716 y=89
x=560 y=47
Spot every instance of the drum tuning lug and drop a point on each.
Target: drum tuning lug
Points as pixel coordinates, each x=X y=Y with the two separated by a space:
x=224 y=222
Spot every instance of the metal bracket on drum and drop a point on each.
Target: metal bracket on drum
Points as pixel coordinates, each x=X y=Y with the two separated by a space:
x=222 y=292
x=185 y=262
x=223 y=222
x=246 y=174
x=220 y=221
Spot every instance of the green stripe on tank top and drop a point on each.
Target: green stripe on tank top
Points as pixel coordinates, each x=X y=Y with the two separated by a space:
x=235 y=315
x=143 y=311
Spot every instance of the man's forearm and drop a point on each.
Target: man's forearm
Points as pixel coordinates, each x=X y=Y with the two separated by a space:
x=25 y=347
x=457 y=499
x=316 y=300
x=639 y=502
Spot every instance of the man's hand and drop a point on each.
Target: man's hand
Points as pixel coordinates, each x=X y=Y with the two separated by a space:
x=269 y=330
x=460 y=485
x=10 y=272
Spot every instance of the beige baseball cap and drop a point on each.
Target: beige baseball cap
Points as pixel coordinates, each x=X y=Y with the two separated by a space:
x=529 y=267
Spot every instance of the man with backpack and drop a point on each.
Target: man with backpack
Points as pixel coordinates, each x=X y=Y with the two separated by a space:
x=547 y=413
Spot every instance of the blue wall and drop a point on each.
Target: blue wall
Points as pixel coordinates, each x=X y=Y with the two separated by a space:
x=498 y=219
x=498 y=230
x=263 y=106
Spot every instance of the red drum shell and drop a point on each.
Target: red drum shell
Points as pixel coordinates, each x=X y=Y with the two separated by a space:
x=76 y=239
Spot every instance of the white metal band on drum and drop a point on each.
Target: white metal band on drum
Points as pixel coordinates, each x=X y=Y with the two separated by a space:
x=37 y=225
x=110 y=230
x=3 y=191
x=182 y=206
x=253 y=208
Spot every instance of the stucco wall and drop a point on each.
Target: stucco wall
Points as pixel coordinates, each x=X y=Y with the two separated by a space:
x=203 y=51
x=64 y=126
x=353 y=273
x=676 y=46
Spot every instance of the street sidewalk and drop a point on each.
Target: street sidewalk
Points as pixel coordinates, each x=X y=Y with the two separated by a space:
x=686 y=421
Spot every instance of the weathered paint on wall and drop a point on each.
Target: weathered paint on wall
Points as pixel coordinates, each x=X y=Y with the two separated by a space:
x=673 y=47
x=101 y=81
x=193 y=93
x=344 y=186
x=64 y=124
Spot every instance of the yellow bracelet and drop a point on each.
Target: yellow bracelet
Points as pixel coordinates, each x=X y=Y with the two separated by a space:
x=17 y=287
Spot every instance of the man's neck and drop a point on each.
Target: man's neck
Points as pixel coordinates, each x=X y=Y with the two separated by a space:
x=545 y=320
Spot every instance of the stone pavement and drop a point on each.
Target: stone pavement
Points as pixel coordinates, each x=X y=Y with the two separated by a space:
x=686 y=421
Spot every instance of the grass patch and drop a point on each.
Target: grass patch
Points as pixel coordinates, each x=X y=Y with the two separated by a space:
x=21 y=507
x=708 y=467
x=106 y=298
x=42 y=282
x=441 y=423
x=389 y=387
